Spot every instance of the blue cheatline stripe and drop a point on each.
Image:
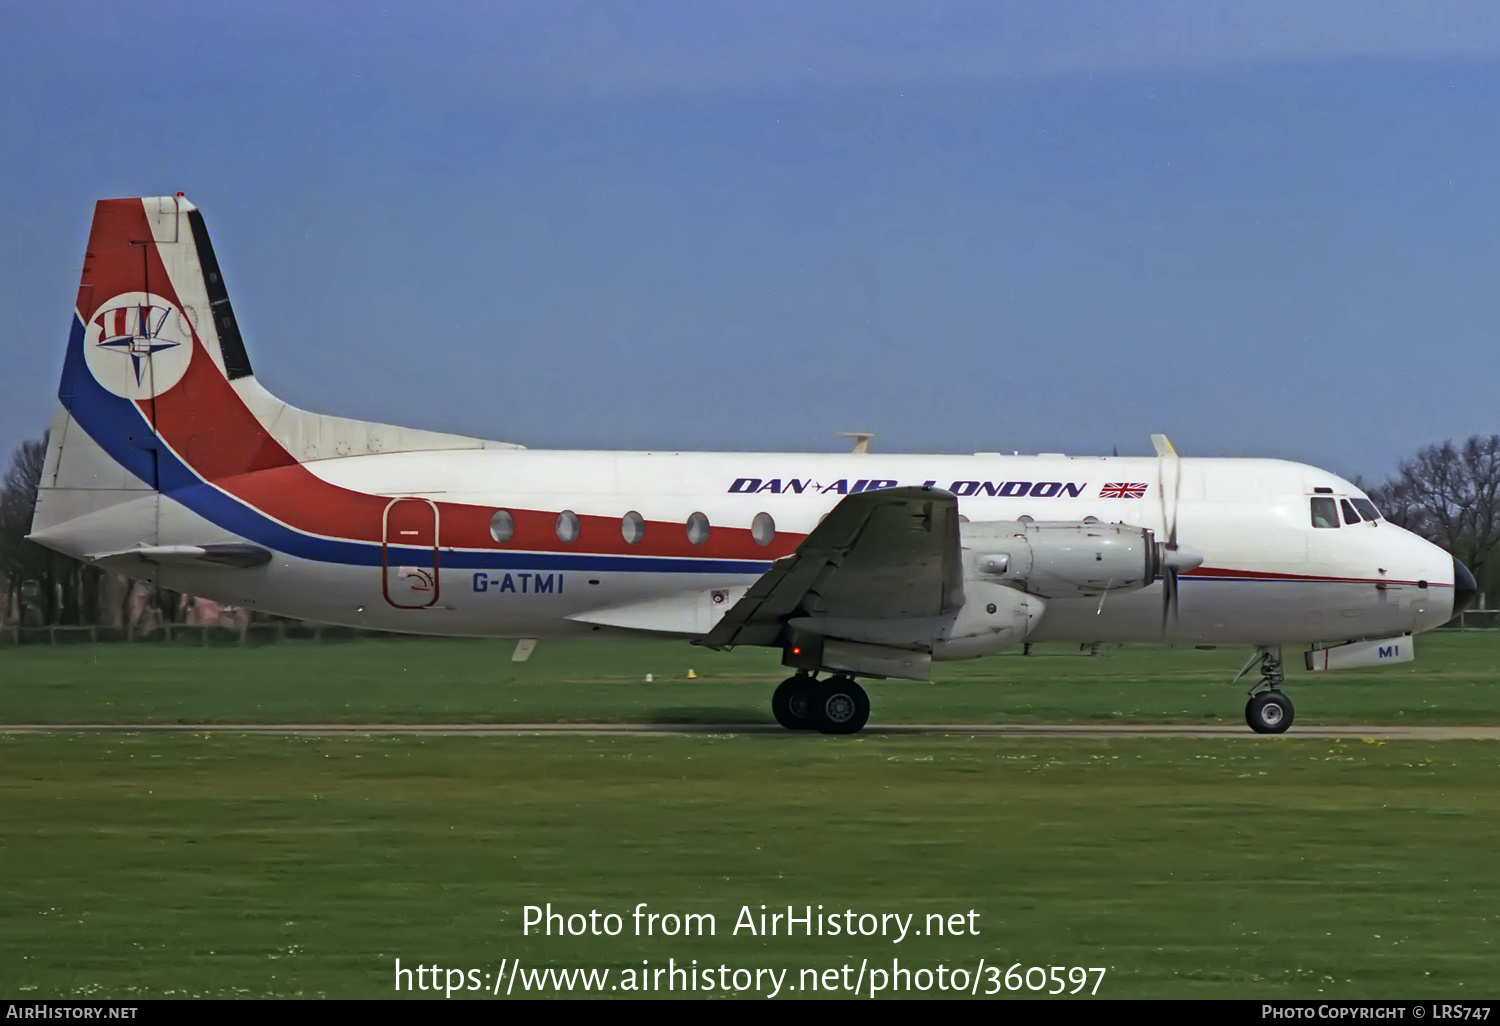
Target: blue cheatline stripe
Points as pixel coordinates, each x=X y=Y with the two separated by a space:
x=114 y=423
x=119 y=428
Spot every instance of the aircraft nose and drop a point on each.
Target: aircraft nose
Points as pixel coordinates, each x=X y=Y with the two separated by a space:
x=1464 y=587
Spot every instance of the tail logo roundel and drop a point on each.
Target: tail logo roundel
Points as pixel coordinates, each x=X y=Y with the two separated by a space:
x=138 y=345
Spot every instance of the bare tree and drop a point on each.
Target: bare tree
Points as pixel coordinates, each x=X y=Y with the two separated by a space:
x=20 y=560
x=64 y=590
x=1450 y=494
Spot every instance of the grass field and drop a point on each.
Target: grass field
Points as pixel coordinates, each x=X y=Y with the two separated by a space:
x=219 y=864
x=181 y=865
x=424 y=680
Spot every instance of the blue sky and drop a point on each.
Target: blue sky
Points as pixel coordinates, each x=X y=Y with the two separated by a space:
x=1265 y=228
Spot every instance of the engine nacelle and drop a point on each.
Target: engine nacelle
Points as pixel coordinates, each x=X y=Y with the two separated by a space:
x=1061 y=559
x=994 y=617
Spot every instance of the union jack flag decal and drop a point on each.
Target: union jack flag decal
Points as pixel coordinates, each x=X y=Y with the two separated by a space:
x=1122 y=490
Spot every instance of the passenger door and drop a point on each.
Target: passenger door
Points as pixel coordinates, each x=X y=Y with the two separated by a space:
x=409 y=553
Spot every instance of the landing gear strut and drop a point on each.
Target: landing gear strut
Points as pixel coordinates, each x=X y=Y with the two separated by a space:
x=1268 y=711
x=837 y=705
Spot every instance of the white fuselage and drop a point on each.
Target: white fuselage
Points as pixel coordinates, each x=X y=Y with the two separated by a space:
x=1268 y=577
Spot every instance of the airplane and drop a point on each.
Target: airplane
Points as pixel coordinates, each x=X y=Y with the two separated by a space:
x=169 y=462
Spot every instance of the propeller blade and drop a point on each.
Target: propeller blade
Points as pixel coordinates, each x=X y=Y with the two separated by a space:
x=1172 y=558
x=1168 y=597
x=1176 y=501
x=1161 y=495
x=1174 y=562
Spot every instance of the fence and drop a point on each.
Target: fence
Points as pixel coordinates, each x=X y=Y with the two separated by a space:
x=1474 y=620
x=263 y=633
x=250 y=634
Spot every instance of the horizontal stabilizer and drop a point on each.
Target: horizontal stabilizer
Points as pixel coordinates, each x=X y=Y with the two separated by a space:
x=231 y=554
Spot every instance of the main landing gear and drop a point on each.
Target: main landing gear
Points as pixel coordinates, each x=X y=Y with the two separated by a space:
x=1268 y=711
x=836 y=705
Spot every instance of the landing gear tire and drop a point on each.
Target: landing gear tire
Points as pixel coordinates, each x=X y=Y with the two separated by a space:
x=840 y=706
x=791 y=703
x=1269 y=712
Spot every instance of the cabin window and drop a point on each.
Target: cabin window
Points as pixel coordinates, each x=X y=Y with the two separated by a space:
x=502 y=526
x=697 y=528
x=1325 y=512
x=633 y=527
x=567 y=526
x=1350 y=517
x=1367 y=509
x=763 y=529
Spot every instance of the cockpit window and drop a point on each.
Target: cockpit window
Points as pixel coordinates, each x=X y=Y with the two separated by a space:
x=1350 y=517
x=1367 y=509
x=1325 y=512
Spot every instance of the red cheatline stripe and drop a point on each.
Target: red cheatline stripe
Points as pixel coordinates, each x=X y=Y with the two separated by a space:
x=1271 y=575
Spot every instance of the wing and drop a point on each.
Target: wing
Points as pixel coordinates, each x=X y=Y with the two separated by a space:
x=886 y=555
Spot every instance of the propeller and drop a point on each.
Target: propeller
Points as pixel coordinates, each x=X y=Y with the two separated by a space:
x=1173 y=558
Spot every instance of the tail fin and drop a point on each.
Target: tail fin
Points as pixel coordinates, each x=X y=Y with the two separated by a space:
x=152 y=328
x=157 y=392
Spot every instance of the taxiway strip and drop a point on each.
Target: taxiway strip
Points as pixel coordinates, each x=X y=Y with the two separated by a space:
x=1411 y=732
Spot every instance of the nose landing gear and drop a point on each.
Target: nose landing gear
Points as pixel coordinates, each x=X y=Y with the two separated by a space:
x=837 y=705
x=1268 y=711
